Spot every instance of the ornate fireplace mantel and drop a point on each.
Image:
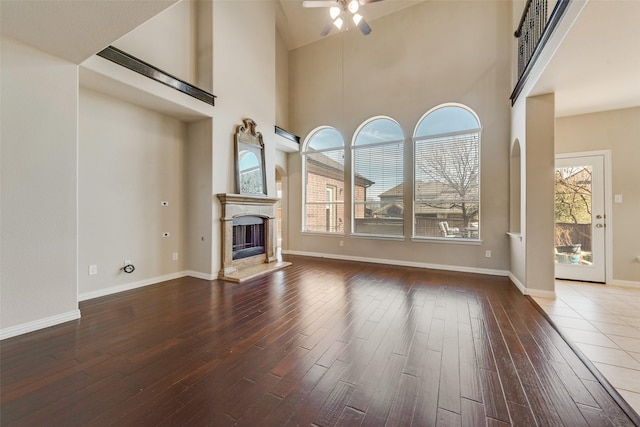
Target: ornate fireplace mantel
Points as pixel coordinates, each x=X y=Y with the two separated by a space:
x=242 y=205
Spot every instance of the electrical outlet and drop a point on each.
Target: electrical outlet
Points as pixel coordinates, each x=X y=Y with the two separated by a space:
x=175 y=256
x=93 y=270
x=165 y=234
x=487 y=254
x=341 y=242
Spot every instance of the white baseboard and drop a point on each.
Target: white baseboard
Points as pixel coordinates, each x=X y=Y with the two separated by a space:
x=199 y=275
x=24 y=328
x=521 y=287
x=128 y=286
x=458 y=268
x=540 y=293
x=75 y=314
x=528 y=291
x=625 y=283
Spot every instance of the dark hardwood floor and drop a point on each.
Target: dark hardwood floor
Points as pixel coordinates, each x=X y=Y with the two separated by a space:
x=319 y=343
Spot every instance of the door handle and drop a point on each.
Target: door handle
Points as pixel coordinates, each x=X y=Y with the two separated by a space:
x=599 y=216
x=600 y=225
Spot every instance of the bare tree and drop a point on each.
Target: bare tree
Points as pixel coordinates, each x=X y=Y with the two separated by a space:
x=572 y=202
x=452 y=164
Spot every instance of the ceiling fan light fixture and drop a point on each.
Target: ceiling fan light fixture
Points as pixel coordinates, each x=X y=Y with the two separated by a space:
x=357 y=18
x=338 y=23
x=353 y=6
x=334 y=12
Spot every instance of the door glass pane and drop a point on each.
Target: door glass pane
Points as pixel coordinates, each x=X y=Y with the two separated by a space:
x=573 y=215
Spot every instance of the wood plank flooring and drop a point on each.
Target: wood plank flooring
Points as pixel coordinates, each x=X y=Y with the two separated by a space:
x=320 y=343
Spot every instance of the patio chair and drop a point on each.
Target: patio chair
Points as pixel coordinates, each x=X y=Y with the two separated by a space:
x=449 y=231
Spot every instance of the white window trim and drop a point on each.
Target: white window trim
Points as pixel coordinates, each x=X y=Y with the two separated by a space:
x=354 y=147
x=478 y=130
x=303 y=154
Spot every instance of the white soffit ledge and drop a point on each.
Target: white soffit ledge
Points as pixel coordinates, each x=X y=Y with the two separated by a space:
x=286 y=145
x=104 y=76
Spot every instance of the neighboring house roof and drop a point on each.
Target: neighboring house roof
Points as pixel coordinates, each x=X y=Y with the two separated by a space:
x=391 y=209
x=432 y=190
x=322 y=165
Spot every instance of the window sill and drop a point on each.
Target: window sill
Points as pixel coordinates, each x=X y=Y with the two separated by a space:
x=378 y=237
x=454 y=240
x=320 y=233
x=514 y=235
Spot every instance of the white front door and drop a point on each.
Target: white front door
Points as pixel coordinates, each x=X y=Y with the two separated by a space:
x=580 y=220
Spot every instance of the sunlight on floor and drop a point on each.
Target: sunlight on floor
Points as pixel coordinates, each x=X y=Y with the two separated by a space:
x=604 y=322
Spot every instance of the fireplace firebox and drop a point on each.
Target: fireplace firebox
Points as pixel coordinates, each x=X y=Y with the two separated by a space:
x=248 y=236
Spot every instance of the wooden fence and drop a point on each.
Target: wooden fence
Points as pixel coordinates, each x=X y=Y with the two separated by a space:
x=573 y=234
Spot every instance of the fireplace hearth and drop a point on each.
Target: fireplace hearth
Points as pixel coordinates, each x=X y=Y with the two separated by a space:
x=248 y=237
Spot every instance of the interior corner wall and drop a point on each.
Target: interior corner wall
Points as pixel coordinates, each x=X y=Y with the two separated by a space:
x=517 y=245
x=167 y=41
x=282 y=165
x=539 y=198
x=618 y=131
x=39 y=178
x=204 y=44
x=131 y=159
x=282 y=83
x=244 y=82
x=200 y=223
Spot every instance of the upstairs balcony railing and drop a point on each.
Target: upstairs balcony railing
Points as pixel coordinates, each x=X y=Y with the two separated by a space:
x=533 y=32
x=529 y=32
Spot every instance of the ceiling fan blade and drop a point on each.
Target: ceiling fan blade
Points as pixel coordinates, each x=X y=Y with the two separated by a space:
x=319 y=3
x=363 y=2
x=327 y=29
x=364 y=27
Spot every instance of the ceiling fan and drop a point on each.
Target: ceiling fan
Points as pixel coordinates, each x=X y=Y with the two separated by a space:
x=342 y=11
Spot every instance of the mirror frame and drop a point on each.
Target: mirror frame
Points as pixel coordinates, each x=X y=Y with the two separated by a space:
x=247 y=138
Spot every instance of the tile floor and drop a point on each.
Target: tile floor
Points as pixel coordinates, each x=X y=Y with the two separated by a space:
x=604 y=323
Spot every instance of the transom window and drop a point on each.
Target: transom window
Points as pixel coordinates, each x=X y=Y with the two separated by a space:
x=377 y=178
x=446 y=196
x=323 y=169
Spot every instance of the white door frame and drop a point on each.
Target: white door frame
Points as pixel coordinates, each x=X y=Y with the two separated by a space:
x=608 y=208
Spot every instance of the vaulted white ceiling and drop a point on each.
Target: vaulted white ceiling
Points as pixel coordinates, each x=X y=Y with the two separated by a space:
x=597 y=65
x=74 y=29
x=300 y=26
x=596 y=68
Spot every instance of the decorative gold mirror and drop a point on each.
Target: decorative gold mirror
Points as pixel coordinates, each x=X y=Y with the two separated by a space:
x=250 y=170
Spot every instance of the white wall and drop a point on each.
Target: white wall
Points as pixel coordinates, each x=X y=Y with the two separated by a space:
x=131 y=159
x=532 y=263
x=200 y=222
x=167 y=41
x=39 y=104
x=244 y=82
x=414 y=60
x=282 y=83
x=618 y=131
x=539 y=195
x=517 y=245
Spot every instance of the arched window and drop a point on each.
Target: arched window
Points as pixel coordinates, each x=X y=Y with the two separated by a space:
x=446 y=186
x=323 y=169
x=377 y=152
